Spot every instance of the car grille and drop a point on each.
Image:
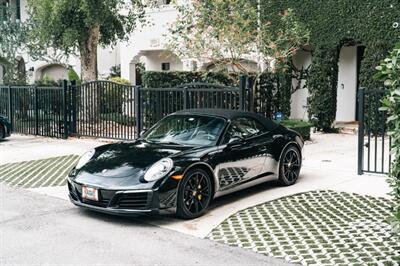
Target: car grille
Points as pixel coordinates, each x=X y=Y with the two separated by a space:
x=113 y=199
x=134 y=200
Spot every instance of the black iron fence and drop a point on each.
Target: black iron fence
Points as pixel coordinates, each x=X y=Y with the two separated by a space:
x=105 y=109
x=373 y=141
x=34 y=110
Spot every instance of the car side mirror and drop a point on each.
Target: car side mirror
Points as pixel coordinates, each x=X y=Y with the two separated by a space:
x=235 y=142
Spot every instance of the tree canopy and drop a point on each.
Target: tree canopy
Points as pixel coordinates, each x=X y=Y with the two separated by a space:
x=12 y=43
x=227 y=31
x=79 y=26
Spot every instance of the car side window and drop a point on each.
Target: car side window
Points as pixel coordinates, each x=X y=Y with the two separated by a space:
x=244 y=127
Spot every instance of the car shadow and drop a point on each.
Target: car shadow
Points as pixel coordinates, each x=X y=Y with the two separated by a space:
x=169 y=217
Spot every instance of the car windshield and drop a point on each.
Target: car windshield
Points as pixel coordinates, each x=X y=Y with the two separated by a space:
x=192 y=130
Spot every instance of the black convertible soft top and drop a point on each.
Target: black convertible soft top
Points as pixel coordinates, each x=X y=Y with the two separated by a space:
x=230 y=115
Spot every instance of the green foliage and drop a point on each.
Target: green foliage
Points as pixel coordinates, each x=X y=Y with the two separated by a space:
x=64 y=24
x=12 y=42
x=115 y=71
x=158 y=79
x=47 y=81
x=72 y=75
x=113 y=96
x=73 y=26
x=119 y=118
x=389 y=73
x=300 y=126
x=281 y=35
x=226 y=31
x=273 y=93
x=221 y=31
x=322 y=86
x=332 y=24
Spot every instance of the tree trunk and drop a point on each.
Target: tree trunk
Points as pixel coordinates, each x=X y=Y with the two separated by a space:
x=90 y=92
x=88 y=52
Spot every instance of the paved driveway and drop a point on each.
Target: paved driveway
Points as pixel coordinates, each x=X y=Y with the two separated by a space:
x=37 y=230
x=329 y=164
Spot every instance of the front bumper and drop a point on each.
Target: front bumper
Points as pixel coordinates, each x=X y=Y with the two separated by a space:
x=119 y=202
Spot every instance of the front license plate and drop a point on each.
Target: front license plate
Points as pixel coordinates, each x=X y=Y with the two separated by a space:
x=90 y=193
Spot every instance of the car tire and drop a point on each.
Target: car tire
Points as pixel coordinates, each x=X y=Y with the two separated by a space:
x=2 y=132
x=289 y=166
x=194 y=194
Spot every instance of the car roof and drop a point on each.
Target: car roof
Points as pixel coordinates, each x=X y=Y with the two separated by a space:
x=230 y=115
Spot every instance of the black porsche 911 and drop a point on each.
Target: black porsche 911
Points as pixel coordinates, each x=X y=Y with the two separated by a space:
x=184 y=161
x=5 y=127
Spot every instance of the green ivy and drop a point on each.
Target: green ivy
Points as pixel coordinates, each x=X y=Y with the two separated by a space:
x=389 y=72
x=322 y=86
x=333 y=24
x=273 y=93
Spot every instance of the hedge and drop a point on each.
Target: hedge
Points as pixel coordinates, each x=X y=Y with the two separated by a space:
x=165 y=79
x=300 y=126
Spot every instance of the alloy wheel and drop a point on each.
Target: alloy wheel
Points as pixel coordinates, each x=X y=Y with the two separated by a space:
x=196 y=193
x=291 y=165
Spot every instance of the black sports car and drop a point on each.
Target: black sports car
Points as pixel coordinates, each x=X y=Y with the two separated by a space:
x=5 y=127
x=184 y=161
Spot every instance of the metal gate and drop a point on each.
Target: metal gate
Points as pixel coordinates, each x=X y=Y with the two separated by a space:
x=373 y=142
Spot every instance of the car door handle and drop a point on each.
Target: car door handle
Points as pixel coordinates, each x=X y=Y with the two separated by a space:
x=277 y=136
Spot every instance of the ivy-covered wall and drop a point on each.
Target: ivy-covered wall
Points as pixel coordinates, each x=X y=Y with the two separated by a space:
x=333 y=24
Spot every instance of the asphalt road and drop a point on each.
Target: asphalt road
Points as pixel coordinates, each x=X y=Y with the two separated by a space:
x=37 y=230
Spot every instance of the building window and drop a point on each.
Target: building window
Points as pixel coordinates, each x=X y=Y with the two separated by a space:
x=165 y=66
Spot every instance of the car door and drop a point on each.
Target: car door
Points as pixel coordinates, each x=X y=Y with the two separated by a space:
x=241 y=157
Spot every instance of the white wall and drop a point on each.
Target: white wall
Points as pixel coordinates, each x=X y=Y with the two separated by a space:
x=347 y=85
x=150 y=38
x=106 y=58
x=299 y=98
x=56 y=72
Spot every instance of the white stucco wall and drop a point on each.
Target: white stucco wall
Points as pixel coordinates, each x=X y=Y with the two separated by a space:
x=347 y=85
x=299 y=98
x=56 y=72
x=150 y=38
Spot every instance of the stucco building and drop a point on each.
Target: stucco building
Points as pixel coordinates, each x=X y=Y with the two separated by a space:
x=147 y=45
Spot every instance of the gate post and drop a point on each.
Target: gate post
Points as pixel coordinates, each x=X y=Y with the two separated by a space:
x=73 y=105
x=36 y=110
x=242 y=93
x=360 y=131
x=185 y=98
x=65 y=102
x=138 y=111
x=250 y=85
x=10 y=114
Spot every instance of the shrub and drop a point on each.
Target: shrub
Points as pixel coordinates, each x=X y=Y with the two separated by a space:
x=113 y=96
x=165 y=79
x=389 y=72
x=273 y=94
x=300 y=126
x=47 y=81
x=72 y=75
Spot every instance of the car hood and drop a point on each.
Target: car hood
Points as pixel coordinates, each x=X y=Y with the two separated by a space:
x=124 y=164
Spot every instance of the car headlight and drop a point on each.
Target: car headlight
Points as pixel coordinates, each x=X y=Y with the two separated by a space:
x=85 y=159
x=159 y=170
